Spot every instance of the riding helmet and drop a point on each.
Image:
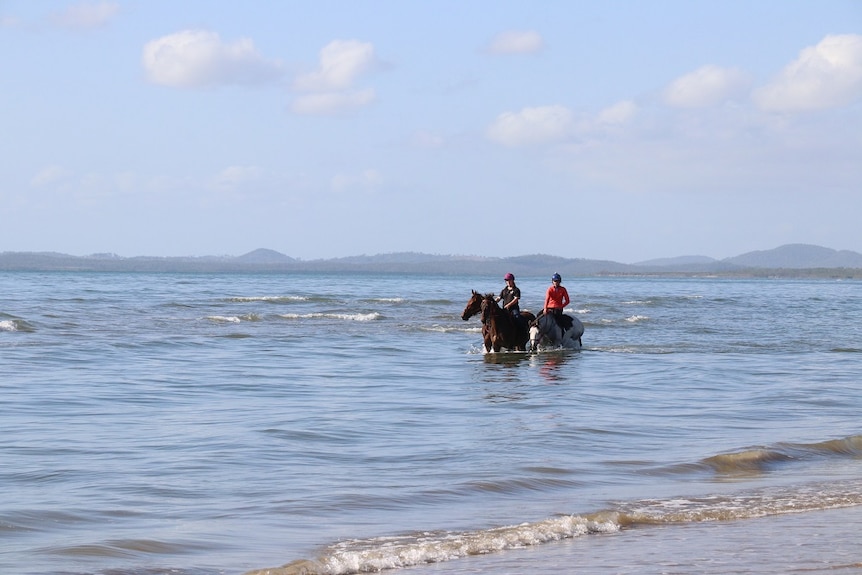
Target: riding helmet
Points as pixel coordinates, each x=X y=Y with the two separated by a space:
x=509 y=277
x=556 y=278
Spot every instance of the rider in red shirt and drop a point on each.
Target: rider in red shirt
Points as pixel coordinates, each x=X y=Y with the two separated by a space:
x=556 y=298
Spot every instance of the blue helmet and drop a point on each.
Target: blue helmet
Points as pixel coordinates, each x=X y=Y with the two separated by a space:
x=556 y=278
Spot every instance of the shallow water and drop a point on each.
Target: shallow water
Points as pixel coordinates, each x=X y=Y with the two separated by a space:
x=198 y=424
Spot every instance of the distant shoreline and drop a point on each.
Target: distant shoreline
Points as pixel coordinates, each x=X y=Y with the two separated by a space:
x=267 y=261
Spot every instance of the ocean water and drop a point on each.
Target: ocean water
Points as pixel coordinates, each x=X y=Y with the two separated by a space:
x=195 y=424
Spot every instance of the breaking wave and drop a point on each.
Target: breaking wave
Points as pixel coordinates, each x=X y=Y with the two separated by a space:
x=342 y=316
x=384 y=553
x=233 y=318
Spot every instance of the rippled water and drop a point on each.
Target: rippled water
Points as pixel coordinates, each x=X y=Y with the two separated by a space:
x=198 y=424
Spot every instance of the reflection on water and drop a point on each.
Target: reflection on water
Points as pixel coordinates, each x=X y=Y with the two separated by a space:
x=552 y=363
x=551 y=366
x=510 y=359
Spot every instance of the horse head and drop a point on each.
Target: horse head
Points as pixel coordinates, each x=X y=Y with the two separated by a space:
x=474 y=306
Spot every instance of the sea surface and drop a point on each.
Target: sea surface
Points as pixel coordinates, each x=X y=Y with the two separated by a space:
x=197 y=424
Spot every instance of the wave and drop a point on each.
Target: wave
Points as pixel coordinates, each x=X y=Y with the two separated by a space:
x=449 y=329
x=761 y=459
x=607 y=321
x=384 y=553
x=378 y=554
x=372 y=316
x=747 y=505
x=233 y=318
x=269 y=299
x=14 y=324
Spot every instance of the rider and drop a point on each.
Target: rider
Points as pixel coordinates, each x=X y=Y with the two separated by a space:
x=556 y=298
x=510 y=296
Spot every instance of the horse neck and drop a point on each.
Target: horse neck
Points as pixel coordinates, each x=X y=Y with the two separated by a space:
x=496 y=314
x=489 y=314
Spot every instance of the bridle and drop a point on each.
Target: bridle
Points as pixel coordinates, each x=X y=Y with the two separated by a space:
x=471 y=308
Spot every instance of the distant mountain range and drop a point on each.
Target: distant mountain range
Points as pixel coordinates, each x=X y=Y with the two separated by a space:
x=792 y=260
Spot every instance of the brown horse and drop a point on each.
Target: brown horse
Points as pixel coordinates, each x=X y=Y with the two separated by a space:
x=499 y=328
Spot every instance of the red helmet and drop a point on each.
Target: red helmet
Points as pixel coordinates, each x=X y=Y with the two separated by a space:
x=508 y=277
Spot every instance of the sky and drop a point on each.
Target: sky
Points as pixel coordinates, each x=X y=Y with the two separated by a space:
x=618 y=130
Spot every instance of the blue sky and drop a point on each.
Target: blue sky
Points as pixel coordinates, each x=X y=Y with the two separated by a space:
x=602 y=130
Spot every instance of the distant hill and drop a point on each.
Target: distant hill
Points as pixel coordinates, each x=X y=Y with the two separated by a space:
x=798 y=256
x=264 y=256
x=792 y=260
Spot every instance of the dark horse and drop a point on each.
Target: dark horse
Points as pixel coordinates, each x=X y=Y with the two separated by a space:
x=499 y=328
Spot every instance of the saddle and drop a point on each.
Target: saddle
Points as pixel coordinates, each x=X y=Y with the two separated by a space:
x=565 y=322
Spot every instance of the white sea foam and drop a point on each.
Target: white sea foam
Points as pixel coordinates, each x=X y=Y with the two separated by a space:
x=8 y=325
x=268 y=298
x=384 y=553
x=343 y=316
x=355 y=556
x=636 y=318
x=358 y=316
x=450 y=329
x=224 y=319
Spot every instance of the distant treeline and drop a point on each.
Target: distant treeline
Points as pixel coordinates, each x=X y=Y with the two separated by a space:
x=527 y=266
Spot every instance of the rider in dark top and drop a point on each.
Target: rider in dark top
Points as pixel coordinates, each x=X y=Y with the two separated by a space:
x=510 y=296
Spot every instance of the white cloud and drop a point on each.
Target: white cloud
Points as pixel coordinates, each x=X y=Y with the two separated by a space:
x=199 y=58
x=235 y=176
x=516 y=42
x=329 y=89
x=531 y=126
x=618 y=114
x=827 y=75
x=9 y=21
x=329 y=103
x=707 y=86
x=86 y=15
x=341 y=63
x=49 y=175
x=427 y=140
x=367 y=180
